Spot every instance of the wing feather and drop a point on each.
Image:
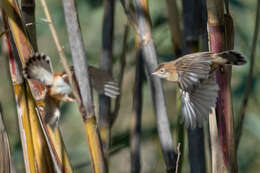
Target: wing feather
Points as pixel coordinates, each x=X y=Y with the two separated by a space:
x=192 y=69
x=197 y=103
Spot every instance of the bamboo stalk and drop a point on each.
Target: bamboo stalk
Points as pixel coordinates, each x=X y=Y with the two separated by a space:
x=192 y=28
x=176 y=37
x=29 y=144
x=81 y=72
x=53 y=139
x=28 y=11
x=136 y=118
x=221 y=35
x=150 y=61
x=106 y=65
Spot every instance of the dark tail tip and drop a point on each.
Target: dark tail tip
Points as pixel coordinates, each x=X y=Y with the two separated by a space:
x=233 y=57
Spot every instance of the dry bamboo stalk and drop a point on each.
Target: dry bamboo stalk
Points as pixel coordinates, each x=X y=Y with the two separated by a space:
x=22 y=111
x=58 y=151
x=43 y=161
x=82 y=76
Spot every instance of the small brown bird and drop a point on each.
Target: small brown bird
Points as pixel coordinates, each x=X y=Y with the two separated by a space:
x=194 y=73
x=39 y=68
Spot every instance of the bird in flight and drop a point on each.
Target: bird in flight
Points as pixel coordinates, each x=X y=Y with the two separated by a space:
x=194 y=73
x=39 y=68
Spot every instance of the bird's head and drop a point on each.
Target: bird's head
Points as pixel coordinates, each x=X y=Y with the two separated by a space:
x=161 y=71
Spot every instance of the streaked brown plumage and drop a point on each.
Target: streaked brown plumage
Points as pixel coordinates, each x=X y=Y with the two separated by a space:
x=39 y=68
x=195 y=76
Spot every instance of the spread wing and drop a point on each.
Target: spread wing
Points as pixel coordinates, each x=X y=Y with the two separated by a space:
x=103 y=82
x=192 y=69
x=196 y=104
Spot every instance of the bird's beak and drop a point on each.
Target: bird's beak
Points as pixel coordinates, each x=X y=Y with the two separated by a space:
x=155 y=73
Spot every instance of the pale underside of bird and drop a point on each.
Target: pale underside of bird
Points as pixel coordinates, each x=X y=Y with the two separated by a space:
x=195 y=75
x=39 y=68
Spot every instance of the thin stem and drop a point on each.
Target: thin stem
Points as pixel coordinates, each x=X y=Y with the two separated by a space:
x=60 y=50
x=121 y=73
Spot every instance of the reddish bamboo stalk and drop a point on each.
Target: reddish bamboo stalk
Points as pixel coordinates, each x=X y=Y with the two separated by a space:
x=220 y=38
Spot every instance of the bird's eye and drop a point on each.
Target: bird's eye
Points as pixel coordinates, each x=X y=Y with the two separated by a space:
x=162 y=70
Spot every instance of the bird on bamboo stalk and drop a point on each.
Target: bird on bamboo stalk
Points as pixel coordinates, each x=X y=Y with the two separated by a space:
x=39 y=68
x=194 y=74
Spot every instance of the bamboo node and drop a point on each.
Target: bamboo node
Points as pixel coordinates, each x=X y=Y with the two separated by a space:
x=146 y=38
x=216 y=28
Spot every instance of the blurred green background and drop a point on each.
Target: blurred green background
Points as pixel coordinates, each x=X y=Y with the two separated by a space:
x=91 y=17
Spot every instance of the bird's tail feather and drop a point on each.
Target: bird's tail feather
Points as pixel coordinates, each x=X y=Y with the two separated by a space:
x=230 y=57
x=39 y=68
